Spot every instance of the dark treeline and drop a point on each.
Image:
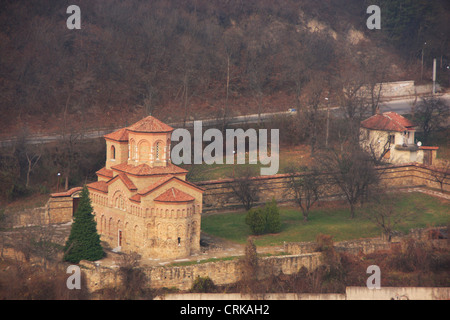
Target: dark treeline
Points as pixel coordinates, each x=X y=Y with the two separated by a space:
x=170 y=57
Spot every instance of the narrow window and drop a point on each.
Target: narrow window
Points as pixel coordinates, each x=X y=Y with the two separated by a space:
x=157 y=150
x=113 y=153
x=392 y=139
x=179 y=241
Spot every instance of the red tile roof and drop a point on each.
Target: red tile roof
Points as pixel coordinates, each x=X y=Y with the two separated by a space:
x=146 y=170
x=155 y=185
x=150 y=124
x=162 y=181
x=174 y=195
x=119 y=135
x=428 y=148
x=128 y=183
x=105 y=172
x=388 y=121
x=101 y=186
x=136 y=198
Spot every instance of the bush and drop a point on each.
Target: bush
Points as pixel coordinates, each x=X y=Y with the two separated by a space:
x=264 y=220
x=255 y=220
x=203 y=285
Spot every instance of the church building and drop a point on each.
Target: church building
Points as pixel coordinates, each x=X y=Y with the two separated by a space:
x=142 y=202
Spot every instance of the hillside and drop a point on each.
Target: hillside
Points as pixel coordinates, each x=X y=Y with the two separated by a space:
x=180 y=60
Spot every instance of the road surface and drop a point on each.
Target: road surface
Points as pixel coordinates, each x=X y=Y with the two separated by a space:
x=401 y=106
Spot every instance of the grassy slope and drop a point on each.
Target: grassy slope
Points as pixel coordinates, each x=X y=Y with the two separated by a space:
x=425 y=211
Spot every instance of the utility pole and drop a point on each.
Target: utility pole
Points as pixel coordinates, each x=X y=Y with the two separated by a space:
x=328 y=123
x=421 y=74
x=434 y=76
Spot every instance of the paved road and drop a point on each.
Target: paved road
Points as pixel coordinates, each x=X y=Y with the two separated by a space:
x=401 y=106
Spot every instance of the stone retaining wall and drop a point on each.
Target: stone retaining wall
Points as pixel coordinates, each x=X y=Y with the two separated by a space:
x=219 y=195
x=182 y=277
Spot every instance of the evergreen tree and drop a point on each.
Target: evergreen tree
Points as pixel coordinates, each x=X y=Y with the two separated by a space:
x=273 y=222
x=84 y=241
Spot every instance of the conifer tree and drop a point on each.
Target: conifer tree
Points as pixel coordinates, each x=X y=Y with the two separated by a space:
x=84 y=241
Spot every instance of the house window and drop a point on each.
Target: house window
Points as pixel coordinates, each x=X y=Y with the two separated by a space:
x=392 y=139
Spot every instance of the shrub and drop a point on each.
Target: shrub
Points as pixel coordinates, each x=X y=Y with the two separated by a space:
x=203 y=285
x=256 y=221
x=264 y=220
x=273 y=222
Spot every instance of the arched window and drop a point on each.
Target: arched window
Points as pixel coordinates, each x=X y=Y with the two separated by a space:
x=144 y=150
x=113 y=153
x=132 y=150
x=157 y=150
x=168 y=150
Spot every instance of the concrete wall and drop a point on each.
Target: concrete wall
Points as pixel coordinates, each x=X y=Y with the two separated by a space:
x=238 y=296
x=351 y=293
x=397 y=293
x=401 y=89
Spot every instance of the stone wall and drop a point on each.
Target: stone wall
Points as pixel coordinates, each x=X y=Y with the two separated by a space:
x=60 y=209
x=182 y=277
x=364 y=246
x=219 y=196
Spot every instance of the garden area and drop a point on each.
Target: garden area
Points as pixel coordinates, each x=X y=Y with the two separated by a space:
x=415 y=210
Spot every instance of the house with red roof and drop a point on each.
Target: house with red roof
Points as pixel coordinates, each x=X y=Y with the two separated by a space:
x=142 y=202
x=390 y=137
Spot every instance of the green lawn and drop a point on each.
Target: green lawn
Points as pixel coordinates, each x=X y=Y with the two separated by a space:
x=293 y=155
x=424 y=211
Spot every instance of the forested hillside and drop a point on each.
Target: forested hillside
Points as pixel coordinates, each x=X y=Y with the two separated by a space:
x=180 y=60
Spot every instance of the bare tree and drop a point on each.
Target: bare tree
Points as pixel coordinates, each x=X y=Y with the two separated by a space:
x=134 y=280
x=311 y=111
x=375 y=67
x=244 y=186
x=385 y=215
x=232 y=45
x=32 y=159
x=375 y=146
x=352 y=171
x=431 y=114
x=249 y=265
x=441 y=173
x=66 y=155
x=305 y=187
